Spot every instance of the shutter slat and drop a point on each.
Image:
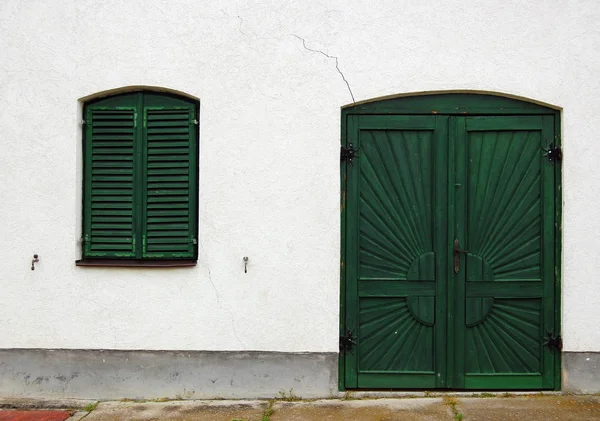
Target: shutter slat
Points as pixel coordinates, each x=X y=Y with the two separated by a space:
x=175 y=115
x=170 y=205
x=158 y=132
x=168 y=165
x=173 y=144
x=167 y=171
x=111 y=201
x=111 y=205
x=170 y=151
x=111 y=234
x=167 y=226
x=169 y=192
x=112 y=192
x=163 y=158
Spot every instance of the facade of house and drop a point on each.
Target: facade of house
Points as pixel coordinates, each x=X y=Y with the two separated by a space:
x=178 y=221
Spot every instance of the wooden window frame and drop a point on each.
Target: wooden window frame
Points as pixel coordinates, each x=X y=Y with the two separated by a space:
x=140 y=199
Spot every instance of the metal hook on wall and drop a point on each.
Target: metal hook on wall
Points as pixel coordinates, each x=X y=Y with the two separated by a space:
x=34 y=261
x=246 y=264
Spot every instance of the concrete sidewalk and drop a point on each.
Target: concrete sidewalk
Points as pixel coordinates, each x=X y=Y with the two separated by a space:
x=449 y=407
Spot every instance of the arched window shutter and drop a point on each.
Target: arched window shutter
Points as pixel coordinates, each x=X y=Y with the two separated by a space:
x=140 y=177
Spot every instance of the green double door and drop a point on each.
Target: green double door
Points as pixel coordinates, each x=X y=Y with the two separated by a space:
x=449 y=252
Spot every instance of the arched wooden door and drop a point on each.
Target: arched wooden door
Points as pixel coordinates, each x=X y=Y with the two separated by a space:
x=449 y=256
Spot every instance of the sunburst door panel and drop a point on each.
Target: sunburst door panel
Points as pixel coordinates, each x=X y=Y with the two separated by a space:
x=396 y=254
x=508 y=271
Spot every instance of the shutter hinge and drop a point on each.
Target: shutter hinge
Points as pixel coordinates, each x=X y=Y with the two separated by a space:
x=194 y=241
x=554 y=153
x=83 y=122
x=348 y=154
x=347 y=341
x=195 y=122
x=553 y=342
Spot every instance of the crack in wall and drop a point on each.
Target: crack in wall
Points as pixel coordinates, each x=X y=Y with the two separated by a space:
x=223 y=308
x=240 y=27
x=337 y=64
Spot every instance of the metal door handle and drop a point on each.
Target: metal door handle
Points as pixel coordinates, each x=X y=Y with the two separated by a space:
x=457 y=251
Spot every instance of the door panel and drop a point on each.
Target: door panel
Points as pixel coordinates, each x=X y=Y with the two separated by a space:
x=395 y=249
x=508 y=204
x=420 y=183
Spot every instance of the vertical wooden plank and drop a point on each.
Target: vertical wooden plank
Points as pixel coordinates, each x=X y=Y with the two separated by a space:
x=352 y=252
x=139 y=180
x=343 y=207
x=558 y=246
x=87 y=180
x=193 y=179
x=548 y=250
x=457 y=293
x=451 y=229
x=440 y=151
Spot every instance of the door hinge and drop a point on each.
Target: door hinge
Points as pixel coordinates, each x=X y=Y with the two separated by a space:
x=554 y=153
x=348 y=154
x=553 y=342
x=347 y=341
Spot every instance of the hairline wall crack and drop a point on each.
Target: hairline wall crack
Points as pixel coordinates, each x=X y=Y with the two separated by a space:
x=223 y=308
x=331 y=57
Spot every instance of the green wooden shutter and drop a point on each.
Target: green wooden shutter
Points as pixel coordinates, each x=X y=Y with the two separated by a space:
x=170 y=176
x=109 y=182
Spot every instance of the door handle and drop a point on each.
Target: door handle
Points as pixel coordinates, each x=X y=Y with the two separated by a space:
x=457 y=252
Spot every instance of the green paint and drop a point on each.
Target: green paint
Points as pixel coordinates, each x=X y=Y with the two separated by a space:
x=421 y=182
x=140 y=177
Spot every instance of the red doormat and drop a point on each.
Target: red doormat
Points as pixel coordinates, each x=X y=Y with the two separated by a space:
x=10 y=415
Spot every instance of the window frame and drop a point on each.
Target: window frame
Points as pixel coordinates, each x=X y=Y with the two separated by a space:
x=143 y=102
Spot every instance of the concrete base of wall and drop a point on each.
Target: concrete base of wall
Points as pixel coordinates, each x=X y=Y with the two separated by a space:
x=581 y=372
x=103 y=374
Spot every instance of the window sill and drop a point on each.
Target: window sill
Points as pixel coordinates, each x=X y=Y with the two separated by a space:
x=136 y=263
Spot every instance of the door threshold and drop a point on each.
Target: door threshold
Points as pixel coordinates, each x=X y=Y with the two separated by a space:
x=375 y=394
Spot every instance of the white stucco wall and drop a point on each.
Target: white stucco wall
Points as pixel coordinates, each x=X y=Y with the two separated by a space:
x=269 y=168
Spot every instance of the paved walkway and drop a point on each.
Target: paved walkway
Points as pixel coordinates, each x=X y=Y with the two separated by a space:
x=534 y=407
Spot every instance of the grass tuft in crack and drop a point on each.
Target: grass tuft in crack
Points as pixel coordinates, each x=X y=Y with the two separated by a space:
x=91 y=406
x=269 y=411
x=289 y=397
x=452 y=402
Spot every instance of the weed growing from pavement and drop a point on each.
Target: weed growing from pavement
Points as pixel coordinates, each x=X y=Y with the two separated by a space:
x=348 y=396
x=268 y=412
x=452 y=402
x=485 y=395
x=91 y=406
x=291 y=397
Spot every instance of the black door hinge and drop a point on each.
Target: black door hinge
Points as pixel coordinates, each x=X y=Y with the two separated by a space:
x=347 y=341
x=348 y=154
x=553 y=342
x=554 y=153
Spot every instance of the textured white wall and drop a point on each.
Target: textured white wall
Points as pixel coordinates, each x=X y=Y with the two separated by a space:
x=269 y=133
